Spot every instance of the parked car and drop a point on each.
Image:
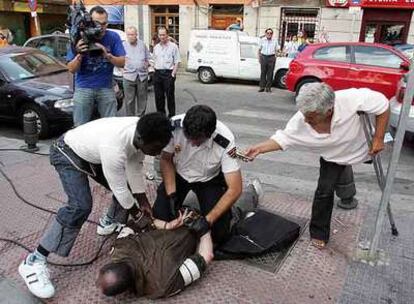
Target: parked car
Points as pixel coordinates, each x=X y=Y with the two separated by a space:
x=32 y=81
x=229 y=54
x=395 y=107
x=348 y=65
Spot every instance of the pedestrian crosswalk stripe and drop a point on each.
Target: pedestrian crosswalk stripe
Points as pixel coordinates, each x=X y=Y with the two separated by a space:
x=259 y=114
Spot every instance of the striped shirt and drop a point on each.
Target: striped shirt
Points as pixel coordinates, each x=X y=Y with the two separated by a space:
x=268 y=46
x=166 y=56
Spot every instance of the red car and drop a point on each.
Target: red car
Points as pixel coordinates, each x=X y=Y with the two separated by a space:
x=345 y=65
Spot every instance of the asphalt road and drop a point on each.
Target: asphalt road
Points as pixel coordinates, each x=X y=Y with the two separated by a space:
x=254 y=117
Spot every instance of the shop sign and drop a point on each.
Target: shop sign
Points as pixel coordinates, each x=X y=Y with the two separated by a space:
x=32 y=5
x=388 y=3
x=24 y=7
x=337 y=3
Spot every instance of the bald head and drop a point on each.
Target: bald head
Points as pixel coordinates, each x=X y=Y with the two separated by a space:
x=115 y=278
x=132 y=34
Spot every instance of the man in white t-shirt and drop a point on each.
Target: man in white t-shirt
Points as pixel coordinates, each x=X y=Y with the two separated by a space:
x=328 y=122
x=110 y=151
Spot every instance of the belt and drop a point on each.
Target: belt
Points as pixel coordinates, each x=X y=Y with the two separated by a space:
x=163 y=70
x=79 y=163
x=268 y=55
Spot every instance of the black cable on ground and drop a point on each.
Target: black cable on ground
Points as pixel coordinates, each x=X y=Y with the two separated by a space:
x=29 y=203
x=60 y=264
x=49 y=211
x=22 y=150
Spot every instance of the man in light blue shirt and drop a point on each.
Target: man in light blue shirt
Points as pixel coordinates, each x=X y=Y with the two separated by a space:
x=135 y=74
x=267 y=57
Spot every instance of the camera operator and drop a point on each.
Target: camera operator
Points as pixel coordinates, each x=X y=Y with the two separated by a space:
x=93 y=78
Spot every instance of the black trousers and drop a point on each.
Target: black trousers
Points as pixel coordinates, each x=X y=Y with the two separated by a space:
x=332 y=178
x=208 y=194
x=267 y=66
x=164 y=86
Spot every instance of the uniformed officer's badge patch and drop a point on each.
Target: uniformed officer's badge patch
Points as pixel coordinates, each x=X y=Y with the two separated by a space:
x=177 y=148
x=232 y=152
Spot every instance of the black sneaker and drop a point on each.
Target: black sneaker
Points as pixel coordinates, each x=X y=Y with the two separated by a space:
x=261 y=90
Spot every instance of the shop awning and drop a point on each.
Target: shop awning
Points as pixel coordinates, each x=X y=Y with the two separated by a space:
x=115 y=13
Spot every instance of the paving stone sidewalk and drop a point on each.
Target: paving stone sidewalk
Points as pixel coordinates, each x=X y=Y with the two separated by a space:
x=307 y=275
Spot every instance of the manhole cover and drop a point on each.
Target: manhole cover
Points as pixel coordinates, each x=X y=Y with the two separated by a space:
x=272 y=261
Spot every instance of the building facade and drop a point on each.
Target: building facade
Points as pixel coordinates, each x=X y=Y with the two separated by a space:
x=385 y=21
x=15 y=15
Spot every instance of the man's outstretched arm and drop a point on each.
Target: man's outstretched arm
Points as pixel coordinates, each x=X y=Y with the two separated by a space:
x=194 y=266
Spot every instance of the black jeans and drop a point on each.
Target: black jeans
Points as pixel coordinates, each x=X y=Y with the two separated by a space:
x=332 y=178
x=208 y=194
x=267 y=66
x=164 y=86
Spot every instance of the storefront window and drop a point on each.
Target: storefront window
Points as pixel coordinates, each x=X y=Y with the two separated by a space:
x=392 y=33
x=370 y=30
x=298 y=20
x=388 y=26
x=222 y=16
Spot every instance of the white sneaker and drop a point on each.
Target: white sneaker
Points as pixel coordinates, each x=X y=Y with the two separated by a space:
x=37 y=279
x=106 y=229
x=259 y=189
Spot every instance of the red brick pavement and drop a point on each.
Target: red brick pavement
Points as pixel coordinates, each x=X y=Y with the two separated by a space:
x=308 y=275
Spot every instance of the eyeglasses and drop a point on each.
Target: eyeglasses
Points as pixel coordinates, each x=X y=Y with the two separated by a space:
x=102 y=23
x=271 y=33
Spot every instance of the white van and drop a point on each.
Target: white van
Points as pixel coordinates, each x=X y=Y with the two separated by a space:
x=229 y=54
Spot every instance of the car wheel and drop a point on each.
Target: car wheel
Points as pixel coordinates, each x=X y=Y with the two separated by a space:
x=280 y=79
x=305 y=81
x=41 y=120
x=206 y=75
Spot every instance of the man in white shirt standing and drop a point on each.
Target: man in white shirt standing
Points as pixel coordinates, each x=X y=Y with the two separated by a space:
x=267 y=57
x=110 y=151
x=328 y=122
x=166 y=60
x=135 y=74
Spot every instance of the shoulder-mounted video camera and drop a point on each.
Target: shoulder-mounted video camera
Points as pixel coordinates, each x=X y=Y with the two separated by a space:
x=81 y=26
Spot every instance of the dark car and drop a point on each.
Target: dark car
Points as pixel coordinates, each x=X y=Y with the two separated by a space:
x=57 y=45
x=32 y=81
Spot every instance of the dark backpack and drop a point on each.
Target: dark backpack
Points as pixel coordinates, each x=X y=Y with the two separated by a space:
x=259 y=233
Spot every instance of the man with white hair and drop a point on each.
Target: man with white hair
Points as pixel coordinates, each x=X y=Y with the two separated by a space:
x=135 y=74
x=328 y=122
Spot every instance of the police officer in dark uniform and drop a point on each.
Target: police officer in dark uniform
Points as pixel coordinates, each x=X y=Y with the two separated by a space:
x=199 y=157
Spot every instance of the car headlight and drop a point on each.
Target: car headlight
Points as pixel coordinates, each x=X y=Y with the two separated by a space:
x=64 y=103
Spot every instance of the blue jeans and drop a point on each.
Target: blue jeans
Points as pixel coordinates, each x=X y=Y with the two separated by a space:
x=61 y=234
x=85 y=100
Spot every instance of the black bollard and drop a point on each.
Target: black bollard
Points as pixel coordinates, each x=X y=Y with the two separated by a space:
x=31 y=136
